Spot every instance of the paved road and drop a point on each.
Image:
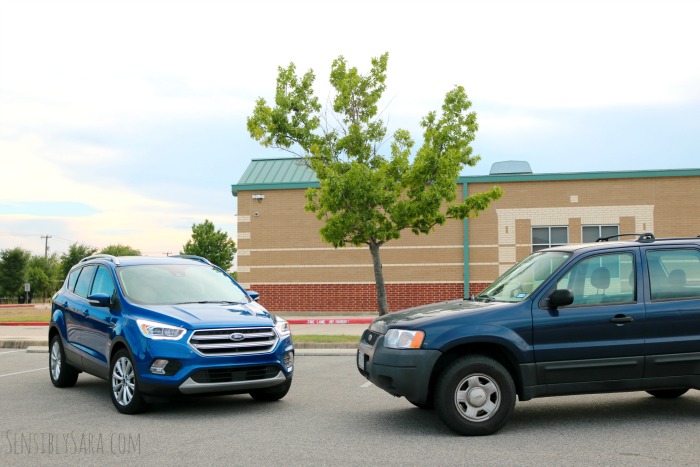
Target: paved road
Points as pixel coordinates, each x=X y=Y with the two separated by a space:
x=330 y=417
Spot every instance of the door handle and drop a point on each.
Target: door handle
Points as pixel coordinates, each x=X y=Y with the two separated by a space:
x=621 y=319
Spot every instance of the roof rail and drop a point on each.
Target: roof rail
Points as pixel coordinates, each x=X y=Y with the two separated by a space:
x=201 y=259
x=647 y=237
x=111 y=258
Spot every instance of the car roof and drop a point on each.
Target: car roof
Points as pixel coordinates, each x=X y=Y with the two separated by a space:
x=145 y=260
x=608 y=245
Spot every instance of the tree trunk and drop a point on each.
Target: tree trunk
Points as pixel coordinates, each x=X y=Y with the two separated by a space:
x=379 y=278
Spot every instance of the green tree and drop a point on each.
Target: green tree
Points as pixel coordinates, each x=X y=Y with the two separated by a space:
x=120 y=250
x=367 y=197
x=13 y=270
x=76 y=252
x=39 y=282
x=51 y=276
x=214 y=245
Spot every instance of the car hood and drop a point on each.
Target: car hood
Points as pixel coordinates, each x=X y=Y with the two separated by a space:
x=198 y=315
x=418 y=316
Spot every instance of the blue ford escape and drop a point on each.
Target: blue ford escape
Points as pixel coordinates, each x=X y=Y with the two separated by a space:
x=600 y=317
x=155 y=327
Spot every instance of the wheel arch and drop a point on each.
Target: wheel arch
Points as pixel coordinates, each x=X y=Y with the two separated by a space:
x=492 y=350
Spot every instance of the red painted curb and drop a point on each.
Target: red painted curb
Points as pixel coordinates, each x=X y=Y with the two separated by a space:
x=18 y=305
x=20 y=323
x=331 y=321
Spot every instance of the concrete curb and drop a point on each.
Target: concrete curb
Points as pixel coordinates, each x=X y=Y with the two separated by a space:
x=22 y=343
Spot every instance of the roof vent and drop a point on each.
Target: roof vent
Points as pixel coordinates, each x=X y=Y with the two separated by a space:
x=510 y=167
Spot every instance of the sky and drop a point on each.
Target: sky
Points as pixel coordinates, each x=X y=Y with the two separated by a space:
x=125 y=121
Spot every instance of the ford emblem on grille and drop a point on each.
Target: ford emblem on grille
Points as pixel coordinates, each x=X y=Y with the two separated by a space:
x=237 y=337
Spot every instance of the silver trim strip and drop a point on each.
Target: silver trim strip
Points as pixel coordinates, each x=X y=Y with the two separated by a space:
x=192 y=387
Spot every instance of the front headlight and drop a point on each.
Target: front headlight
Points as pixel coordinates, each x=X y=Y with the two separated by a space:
x=282 y=327
x=154 y=330
x=403 y=339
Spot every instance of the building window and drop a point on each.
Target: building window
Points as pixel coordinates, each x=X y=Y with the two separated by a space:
x=591 y=233
x=545 y=237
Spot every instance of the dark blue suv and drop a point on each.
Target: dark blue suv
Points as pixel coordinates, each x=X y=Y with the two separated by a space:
x=601 y=317
x=156 y=327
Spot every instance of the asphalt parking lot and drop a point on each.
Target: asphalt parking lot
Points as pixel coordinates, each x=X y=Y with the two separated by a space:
x=331 y=416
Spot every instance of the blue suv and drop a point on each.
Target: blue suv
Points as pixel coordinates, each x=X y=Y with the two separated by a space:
x=157 y=327
x=609 y=316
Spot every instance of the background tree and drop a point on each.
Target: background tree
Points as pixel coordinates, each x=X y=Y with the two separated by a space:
x=367 y=197
x=76 y=252
x=45 y=274
x=120 y=250
x=214 y=245
x=13 y=270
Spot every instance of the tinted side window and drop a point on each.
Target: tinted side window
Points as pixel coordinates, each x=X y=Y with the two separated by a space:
x=602 y=279
x=83 y=285
x=73 y=278
x=674 y=274
x=103 y=282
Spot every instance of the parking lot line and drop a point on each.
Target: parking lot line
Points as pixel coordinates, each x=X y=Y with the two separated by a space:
x=21 y=372
x=13 y=351
x=367 y=384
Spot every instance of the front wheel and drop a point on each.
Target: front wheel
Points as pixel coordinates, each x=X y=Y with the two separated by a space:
x=62 y=374
x=475 y=396
x=124 y=387
x=668 y=393
x=274 y=393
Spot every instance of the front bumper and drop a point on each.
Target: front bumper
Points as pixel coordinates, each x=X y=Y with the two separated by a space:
x=198 y=374
x=404 y=372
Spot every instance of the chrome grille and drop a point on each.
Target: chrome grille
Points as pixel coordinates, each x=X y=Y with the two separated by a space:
x=233 y=341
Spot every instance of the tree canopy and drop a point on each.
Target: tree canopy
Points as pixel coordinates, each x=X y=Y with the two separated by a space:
x=120 y=250
x=369 y=195
x=212 y=244
x=13 y=268
x=76 y=252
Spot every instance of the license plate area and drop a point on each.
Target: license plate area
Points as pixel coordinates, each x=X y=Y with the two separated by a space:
x=361 y=360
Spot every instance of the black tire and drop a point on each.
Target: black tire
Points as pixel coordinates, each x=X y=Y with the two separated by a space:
x=475 y=396
x=62 y=374
x=668 y=393
x=272 y=394
x=124 y=386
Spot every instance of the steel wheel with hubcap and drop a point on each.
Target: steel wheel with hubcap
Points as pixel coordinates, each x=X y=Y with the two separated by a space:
x=62 y=374
x=475 y=395
x=124 y=385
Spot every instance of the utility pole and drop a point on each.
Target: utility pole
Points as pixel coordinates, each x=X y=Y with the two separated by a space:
x=46 y=247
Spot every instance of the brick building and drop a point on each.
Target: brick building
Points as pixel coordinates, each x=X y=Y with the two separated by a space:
x=281 y=254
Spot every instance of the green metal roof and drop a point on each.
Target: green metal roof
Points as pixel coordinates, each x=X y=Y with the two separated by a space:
x=276 y=174
x=579 y=176
x=289 y=173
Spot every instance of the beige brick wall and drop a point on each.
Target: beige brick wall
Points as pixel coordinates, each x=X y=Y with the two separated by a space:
x=665 y=206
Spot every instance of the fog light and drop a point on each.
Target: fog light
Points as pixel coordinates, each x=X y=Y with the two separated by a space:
x=158 y=367
x=289 y=361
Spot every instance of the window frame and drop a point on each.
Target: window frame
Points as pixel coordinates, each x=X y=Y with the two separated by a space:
x=541 y=246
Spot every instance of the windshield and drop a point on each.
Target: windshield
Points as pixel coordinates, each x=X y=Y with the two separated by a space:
x=170 y=284
x=524 y=278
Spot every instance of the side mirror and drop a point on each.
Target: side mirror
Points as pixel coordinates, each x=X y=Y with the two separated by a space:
x=561 y=297
x=100 y=299
x=253 y=295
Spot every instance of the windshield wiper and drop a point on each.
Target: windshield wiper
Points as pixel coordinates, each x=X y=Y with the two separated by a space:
x=485 y=298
